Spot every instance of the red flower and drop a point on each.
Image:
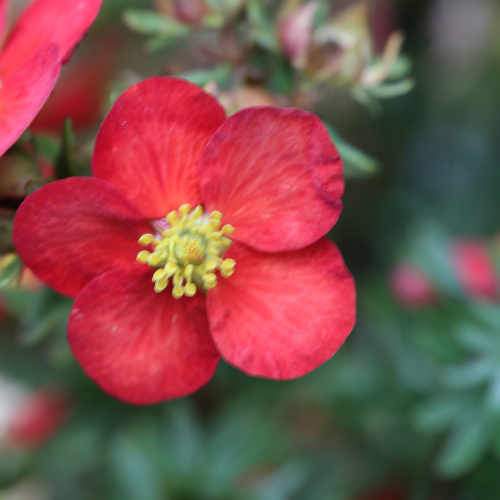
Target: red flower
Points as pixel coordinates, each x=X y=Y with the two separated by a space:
x=295 y=32
x=475 y=270
x=37 y=419
x=30 y=61
x=79 y=94
x=411 y=287
x=276 y=178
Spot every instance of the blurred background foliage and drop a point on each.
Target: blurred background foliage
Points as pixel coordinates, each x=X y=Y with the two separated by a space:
x=410 y=406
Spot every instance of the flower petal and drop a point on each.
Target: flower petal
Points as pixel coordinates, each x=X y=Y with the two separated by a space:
x=150 y=143
x=79 y=94
x=70 y=231
x=475 y=269
x=23 y=90
x=411 y=287
x=140 y=346
x=276 y=177
x=282 y=315
x=38 y=418
x=45 y=22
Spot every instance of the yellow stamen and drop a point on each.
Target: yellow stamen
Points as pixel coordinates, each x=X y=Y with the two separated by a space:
x=188 y=252
x=146 y=239
x=227 y=267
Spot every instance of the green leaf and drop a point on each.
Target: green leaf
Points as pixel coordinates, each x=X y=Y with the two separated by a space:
x=437 y=415
x=148 y=22
x=356 y=163
x=262 y=30
x=390 y=90
x=134 y=468
x=465 y=447
x=10 y=269
x=474 y=339
x=493 y=394
x=64 y=163
x=52 y=321
x=220 y=74
x=470 y=374
x=488 y=314
x=281 y=79
x=400 y=68
x=365 y=98
x=13 y=466
x=46 y=146
x=158 y=43
x=430 y=251
x=284 y=482
x=184 y=441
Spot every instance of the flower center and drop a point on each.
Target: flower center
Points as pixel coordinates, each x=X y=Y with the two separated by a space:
x=187 y=250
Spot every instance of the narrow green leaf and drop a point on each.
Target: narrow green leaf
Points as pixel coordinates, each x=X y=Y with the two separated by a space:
x=390 y=90
x=261 y=27
x=10 y=268
x=46 y=146
x=134 y=469
x=356 y=163
x=53 y=321
x=470 y=374
x=148 y=22
x=220 y=74
x=493 y=394
x=401 y=68
x=464 y=448
x=438 y=414
x=474 y=339
x=64 y=163
x=157 y=43
x=284 y=482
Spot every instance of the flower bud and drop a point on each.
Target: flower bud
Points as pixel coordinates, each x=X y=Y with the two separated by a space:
x=36 y=418
x=475 y=270
x=295 y=32
x=411 y=287
x=185 y=11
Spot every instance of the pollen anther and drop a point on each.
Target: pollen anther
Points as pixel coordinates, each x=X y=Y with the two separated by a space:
x=188 y=252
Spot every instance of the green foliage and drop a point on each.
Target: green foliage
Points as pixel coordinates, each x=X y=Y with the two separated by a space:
x=261 y=26
x=10 y=269
x=219 y=74
x=410 y=403
x=65 y=162
x=148 y=22
x=356 y=163
x=162 y=30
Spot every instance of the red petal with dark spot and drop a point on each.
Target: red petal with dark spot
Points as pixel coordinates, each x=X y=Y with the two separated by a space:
x=275 y=175
x=282 y=315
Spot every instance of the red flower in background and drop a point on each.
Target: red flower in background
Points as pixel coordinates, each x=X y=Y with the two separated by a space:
x=475 y=269
x=266 y=291
x=37 y=418
x=79 y=94
x=295 y=32
x=411 y=287
x=31 y=58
